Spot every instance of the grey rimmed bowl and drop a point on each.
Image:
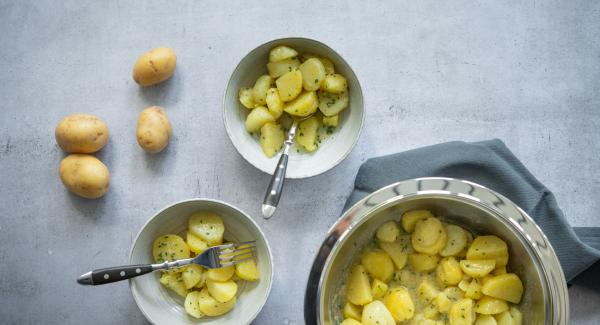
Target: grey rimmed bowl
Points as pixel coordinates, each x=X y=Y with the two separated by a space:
x=481 y=210
x=162 y=306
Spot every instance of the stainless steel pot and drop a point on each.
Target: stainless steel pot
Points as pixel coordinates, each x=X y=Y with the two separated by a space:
x=470 y=205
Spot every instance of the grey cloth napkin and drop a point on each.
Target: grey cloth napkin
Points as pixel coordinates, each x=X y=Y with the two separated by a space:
x=492 y=164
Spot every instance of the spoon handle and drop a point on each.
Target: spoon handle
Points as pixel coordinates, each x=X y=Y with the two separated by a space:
x=276 y=185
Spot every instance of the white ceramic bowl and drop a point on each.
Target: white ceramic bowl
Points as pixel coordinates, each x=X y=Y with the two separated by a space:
x=162 y=306
x=331 y=151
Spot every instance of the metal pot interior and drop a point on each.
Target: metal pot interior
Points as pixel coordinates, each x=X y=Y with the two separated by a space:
x=452 y=209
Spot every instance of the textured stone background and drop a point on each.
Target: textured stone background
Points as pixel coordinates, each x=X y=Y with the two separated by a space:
x=527 y=72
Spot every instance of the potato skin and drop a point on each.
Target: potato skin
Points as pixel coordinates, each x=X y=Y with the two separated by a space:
x=81 y=133
x=153 y=129
x=84 y=175
x=154 y=66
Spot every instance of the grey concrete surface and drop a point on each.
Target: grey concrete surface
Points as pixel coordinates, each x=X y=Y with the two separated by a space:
x=527 y=72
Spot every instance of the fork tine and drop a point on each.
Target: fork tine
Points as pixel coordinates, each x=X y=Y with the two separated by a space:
x=235 y=245
x=229 y=257
x=234 y=251
x=236 y=262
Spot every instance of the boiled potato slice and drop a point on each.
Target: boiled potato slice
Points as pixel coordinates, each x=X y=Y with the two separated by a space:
x=212 y=307
x=332 y=104
x=376 y=313
x=490 y=306
x=278 y=69
x=304 y=105
x=378 y=289
x=221 y=274
x=192 y=275
x=449 y=272
x=473 y=290
x=499 y=270
x=350 y=321
x=430 y=312
x=274 y=103
x=313 y=74
x=510 y=317
x=331 y=120
x=407 y=278
x=195 y=243
x=208 y=226
x=457 y=241
x=174 y=281
x=281 y=52
x=447 y=297
x=289 y=85
x=378 y=264
x=247 y=270
x=306 y=136
x=429 y=236
x=329 y=67
x=352 y=311
x=388 y=232
x=246 y=97
x=399 y=303
x=257 y=118
x=423 y=262
x=461 y=313
x=488 y=247
x=397 y=252
x=222 y=291
x=410 y=218
x=485 y=320
x=477 y=268
x=358 y=289
x=334 y=83
x=271 y=139
x=505 y=286
x=259 y=91
x=191 y=304
x=169 y=248
x=427 y=291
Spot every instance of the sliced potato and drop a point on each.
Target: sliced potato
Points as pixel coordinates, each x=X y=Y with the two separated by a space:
x=306 y=135
x=423 y=262
x=429 y=236
x=461 y=313
x=378 y=264
x=457 y=241
x=274 y=103
x=485 y=320
x=221 y=274
x=350 y=321
x=191 y=304
x=246 y=97
x=257 y=118
x=499 y=270
x=289 y=85
x=510 y=317
x=378 y=289
x=352 y=311
x=505 y=286
x=281 y=52
x=222 y=291
x=410 y=218
x=334 y=83
x=332 y=104
x=271 y=138
x=247 y=270
x=447 y=297
x=259 y=91
x=331 y=120
x=169 y=248
x=473 y=290
x=208 y=226
x=174 y=281
x=358 y=290
x=397 y=252
x=304 y=105
x=449 y=272
x=329 y=67
x=388 y=232
x=376 y=313
x=313 y=74
x=195 y=243
x=212 y=307
x=399 y=303
x=490 y=306
x=278 y=69
x=192 y=274
x=488 y=247
x=477 y=268
x=427 y=292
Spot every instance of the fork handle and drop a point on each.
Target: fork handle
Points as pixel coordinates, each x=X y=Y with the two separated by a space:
x=114 y=274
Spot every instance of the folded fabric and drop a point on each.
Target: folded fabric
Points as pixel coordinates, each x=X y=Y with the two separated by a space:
x=492 y=164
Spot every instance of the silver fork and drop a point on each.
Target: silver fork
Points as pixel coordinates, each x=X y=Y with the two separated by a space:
x=212 y=258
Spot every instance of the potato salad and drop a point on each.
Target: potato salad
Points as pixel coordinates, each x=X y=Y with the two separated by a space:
x=207 y=292
x=305 y=87
x=427 y=272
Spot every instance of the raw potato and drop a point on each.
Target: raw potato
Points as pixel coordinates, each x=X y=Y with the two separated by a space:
x=331 y=120
x=271 y=138
x=376 y=313
x=306 y=135
x=488 y=247
x=358 y=290
x=154 y=66
x=222 y=291
x=505 y=286
x=192 y=305
x=281 y=53
x=332 y=104
x=378 y=289
x=274 y=103
x=278 y=69
x=449 y=272
x=477 y=268
x=192 y=275
x=259 y=91
x=289 y=85
x=153 y=129
x=84 y=175
x=410 y=218
x=457 y=241
x=429 y=236
x=397 y=252
x=352 y=311
x=247 y=270
x=257 y=118
x=169 y=248
x=423 y=262
x=490 y=306
x=304 y=105
x=399 y=303
x=211 y=307
x=378 y=264
x=313 y=74
x=81 y=133
x=208 y=226
x=196 y=244
x=388 y=232
x=334 y=83
x=246 y=97
x=461 y=313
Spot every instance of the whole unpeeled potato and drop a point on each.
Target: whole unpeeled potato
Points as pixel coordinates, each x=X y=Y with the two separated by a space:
x=84 y=175
x=153 y=129
x=154 y=66
x=81 y=133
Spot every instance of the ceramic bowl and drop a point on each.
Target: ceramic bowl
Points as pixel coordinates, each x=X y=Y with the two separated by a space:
x=301 y=164
x=161 y=305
